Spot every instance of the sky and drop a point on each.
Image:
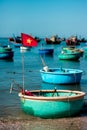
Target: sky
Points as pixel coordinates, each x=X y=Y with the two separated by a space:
x=43 y=18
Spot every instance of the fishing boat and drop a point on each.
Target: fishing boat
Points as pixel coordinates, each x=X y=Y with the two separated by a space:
x=46 y=51
x=73 y=40
x=16 y=41
x=51 y=103
x=6 y=52
x=68 y=54
x=72 y=49
x=53 y=40
x=61 y=75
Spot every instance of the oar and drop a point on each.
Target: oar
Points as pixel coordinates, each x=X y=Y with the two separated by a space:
x=45 y=68
x=11 y=88
x=43 y=62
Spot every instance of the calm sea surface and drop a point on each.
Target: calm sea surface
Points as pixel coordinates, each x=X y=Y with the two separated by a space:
x=12 y=70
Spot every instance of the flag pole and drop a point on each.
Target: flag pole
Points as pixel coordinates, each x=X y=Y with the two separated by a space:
x=23 y=68
x=27 y=40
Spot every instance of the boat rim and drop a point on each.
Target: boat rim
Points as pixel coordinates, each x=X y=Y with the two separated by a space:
x=79 y=95
x=64 y=70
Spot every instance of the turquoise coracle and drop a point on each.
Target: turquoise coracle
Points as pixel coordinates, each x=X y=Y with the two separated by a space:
x=52 y=103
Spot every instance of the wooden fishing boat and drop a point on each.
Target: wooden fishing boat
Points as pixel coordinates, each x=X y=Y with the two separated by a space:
x=61 y=75
x=49 y=41
x=73 y=40
x=16 y=41
x=53 y=40
x=51 y=103
x=6 y=52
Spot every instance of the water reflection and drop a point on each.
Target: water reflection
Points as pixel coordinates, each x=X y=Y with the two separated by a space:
x=62 y=87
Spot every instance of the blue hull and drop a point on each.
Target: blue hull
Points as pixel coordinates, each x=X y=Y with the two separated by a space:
x=61 y=76
x=46 y=51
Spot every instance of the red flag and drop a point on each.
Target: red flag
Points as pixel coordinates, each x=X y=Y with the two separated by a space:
x=28 y=40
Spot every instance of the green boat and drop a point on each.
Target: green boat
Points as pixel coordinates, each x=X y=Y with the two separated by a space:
x=69 y=55
x=6 y=52
x=85 y=51
x=52 y=103
x=73 y=49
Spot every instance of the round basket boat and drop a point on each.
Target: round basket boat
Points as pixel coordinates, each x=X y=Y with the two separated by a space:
x=52 y=103
x=61 y=76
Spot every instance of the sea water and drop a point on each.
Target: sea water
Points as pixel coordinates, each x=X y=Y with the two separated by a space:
x=24 y=71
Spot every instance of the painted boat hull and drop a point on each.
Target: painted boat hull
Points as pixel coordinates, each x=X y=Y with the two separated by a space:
x=61 y=76
x=61 y=104
x=6 y=53
x=74 y=50
x=69 y=56
x=46 y=51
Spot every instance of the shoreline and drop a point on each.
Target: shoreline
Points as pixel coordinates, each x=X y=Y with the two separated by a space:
x=78 y=122
x=71 y=123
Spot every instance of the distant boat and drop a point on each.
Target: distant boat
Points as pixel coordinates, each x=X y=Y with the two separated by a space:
x=53 y=40
x=6 y=52
x=61 y=75
x=70 y=54
x=48 y=41
x=51 y=103
x=71 y=49
x=73 y=40
x=46 y=51
x=37 y=39
x=16 y=41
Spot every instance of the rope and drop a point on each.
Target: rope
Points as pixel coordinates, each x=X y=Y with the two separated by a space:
x=75 y=80
x=69 y=107
x=12 y=86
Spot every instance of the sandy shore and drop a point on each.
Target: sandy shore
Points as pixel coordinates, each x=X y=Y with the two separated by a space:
x=74 y=123
x=33 y=123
